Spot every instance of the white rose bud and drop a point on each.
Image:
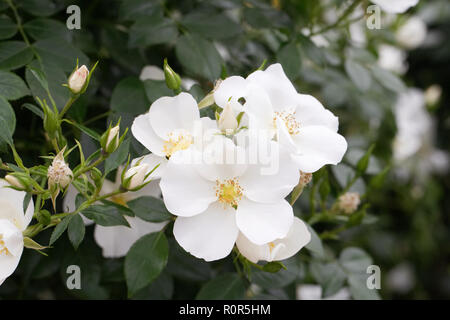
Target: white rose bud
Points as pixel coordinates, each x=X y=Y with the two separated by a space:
x=412 y=33
x=349 y=202
x=112 y=141
x=135 y=176
x=227 y=121
x=59 y=172
x=78 y=78
x=14 y=182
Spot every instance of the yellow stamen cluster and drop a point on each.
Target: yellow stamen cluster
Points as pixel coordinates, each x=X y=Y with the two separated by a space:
x=177 y=142
x=271 y=246
x=229 y=192
x=3 y=248
x=289 y=119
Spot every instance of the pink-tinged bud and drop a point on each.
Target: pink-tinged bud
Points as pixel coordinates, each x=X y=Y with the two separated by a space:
x=59 y=173
x=135 y=176
x=349 y=202
x=77 y=79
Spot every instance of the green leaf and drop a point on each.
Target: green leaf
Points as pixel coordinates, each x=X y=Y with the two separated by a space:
x=273 y=266
x=387 y=79
x=211 y=25
x=199 y=56
x=150 y=209
x=12 y=86
x=156 y=89
x=315 y=245
x=359 y=289
x=136 y=9
x=118 y=157
x=129 y=97
x=57 y=53
x=42 y=8
x=152 y=30
x=8 y=27
x=266 y=17
x=90 y=132
x=14 y=54
x=59 y=229
x=7 y=121
x=358 y=74
x=46 y=28
x=105 y=215
x=76 y=231
x=145 y=261
x=329 y=275
x=355 y=260
x=228 y=286
x=280 y=279
x=289 y=57
x=36 y=110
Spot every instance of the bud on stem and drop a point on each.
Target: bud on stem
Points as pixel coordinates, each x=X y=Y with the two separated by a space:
x=173 y=80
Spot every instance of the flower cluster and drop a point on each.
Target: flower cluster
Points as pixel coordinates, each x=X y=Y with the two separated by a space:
x=227 y=180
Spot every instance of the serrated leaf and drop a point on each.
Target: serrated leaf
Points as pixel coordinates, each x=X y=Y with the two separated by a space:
x=150 y=209
x=76 y=231
x=12 y=86
x=59 y=229
x=227 y=286
x=105 y=215
x=14 y=54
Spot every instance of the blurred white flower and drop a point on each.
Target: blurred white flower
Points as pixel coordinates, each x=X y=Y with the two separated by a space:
x=392 y=58
x=216 y=199
x=349 y=202
x=412 y=33
x=297 y=121
x=413 y=147
x=115 y=241
x=13 y=221
x=314 y=292
x=395 y=6
x=433 y=94
x=401 y=278
x=279 y=249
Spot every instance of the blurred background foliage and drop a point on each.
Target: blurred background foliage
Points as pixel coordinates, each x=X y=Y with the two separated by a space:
x=405 y=230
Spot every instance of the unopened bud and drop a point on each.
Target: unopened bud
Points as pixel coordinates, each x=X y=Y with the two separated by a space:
x=77 y=79
x=16 y=181
x=110 y=139
x=349 y=202
x=227 y=121
x=135 y=176
x=173 y=80
x=59 y=173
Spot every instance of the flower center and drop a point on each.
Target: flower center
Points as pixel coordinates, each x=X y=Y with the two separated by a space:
x=229 y=192
x=289 y=120
x=177 y=141
x=3 y=249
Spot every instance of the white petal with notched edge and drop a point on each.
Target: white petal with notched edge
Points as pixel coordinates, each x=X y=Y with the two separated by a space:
x=185 y=192
x=278 y=250
x=310 y=111
x=144 y=133
x=262 y=222
x=115 y=241
x=318 y=146
x=168 y=114
x=210 y=235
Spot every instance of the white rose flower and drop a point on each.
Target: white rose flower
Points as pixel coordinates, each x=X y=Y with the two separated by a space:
x=215 y=200
x=115 y=241
x=172 y=124
x=392 y=59
x=412 y=33
x=299 y=121
x=13 y=221
x=395 y=6
x=277 y=250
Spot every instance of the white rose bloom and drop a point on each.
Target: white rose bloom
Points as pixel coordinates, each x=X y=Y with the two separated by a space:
x=395 y=6
x=13 y=221
x=115 y=241
x=412 y=33
x=277 y=250
x=314 y=292
x=392 y=59
x=172 y=124
x=299 y=121
x=215 y=200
